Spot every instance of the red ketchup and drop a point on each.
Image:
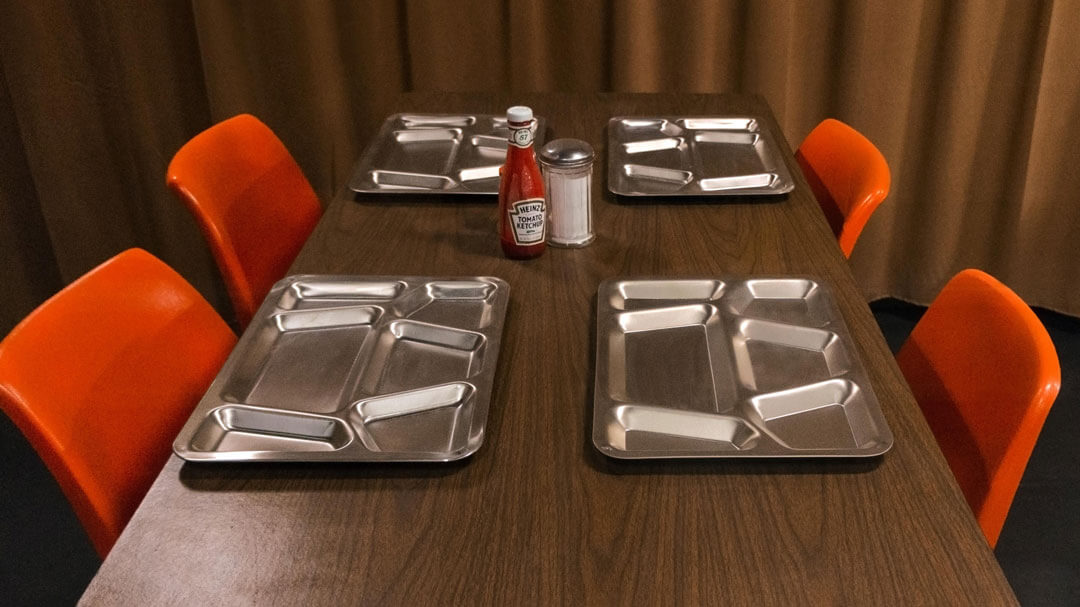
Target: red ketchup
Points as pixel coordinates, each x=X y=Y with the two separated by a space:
x=522 y=213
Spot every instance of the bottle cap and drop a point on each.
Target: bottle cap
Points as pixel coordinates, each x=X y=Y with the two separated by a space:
x=519 y=113
x=566 y=153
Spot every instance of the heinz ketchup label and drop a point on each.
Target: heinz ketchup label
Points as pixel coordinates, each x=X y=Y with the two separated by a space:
x=527 y=221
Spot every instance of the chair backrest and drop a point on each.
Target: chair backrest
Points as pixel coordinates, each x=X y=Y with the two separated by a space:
x=101 y=377
x=848 y=175
x=984 y=372
x=251 y=201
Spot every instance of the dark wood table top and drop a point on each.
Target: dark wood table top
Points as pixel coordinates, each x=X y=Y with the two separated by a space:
x=538 y=516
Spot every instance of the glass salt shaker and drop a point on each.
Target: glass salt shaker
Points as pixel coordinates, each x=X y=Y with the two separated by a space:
x=567 y=165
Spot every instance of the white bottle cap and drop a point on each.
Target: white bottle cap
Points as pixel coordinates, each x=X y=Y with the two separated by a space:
x=519 y=113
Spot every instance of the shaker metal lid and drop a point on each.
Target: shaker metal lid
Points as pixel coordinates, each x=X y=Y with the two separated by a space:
x=566 y=153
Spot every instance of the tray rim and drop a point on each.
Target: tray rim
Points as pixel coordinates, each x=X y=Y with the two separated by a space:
x=601 y=404
x=482 y=382
x=359 y=183
x=787 y=181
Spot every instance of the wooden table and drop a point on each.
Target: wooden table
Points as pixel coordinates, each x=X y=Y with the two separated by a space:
x=538 y=516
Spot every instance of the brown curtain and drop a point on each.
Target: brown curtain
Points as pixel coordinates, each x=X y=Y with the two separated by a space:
x=975 y=105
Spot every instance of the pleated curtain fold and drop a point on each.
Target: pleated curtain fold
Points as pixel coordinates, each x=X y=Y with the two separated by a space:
x=975 y=105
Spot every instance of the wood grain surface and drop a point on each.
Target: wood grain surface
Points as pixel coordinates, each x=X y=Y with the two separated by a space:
x=538 y=516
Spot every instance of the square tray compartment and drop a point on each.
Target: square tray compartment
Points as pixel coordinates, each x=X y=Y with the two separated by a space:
x=642 y=370
x=694 y=156
x=410 y=354
x=719 y=367
x=340 y=368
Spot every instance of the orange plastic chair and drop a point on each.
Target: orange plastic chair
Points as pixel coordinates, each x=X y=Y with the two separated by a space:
x=101 y=377
x=848 y=175
x=252 y=202
x=985 y=373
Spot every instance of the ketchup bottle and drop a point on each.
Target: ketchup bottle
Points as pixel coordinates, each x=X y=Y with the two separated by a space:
x=522 y=213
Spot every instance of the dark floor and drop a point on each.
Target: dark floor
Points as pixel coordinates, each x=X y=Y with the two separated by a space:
x=46 y=559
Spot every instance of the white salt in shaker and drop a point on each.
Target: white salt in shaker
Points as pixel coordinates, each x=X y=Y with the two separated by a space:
x=567 y=166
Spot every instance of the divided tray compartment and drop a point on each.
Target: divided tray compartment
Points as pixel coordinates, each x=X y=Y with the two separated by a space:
x=349 y=368
x=708 y=367
x=439 y=153
x=694 y=156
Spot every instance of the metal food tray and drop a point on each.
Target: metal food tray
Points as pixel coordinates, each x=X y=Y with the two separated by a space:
x=694 y=156
x=718 y=368
x=439 y=153
x=348 y=368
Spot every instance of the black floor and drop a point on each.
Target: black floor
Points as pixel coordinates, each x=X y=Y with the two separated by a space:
x=46 y=559
x=45 y=556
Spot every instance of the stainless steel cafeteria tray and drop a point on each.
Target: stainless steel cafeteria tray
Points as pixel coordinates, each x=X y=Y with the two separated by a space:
x=704 y=367
x=694 y=156
x=439 y=153
x=353 y=368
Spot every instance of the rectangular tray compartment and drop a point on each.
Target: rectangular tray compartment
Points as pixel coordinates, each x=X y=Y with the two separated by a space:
x=439 y=153
x=416 y=121
x=639 y=149
x=342 y=368
x=638 y=129
x=389 y=181
x=719 y=123
x=737 y=183
x=238 y=428
x=664 y=179
x=642 y=429
x=320 y=293
x=725 y=367
x=481 y=177
x=694 y=156
x=657 y=293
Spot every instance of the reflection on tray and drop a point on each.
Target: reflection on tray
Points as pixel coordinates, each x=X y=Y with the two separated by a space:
x=438 y=153
x=709 y=367
x=702 y=156
x=356 y=369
